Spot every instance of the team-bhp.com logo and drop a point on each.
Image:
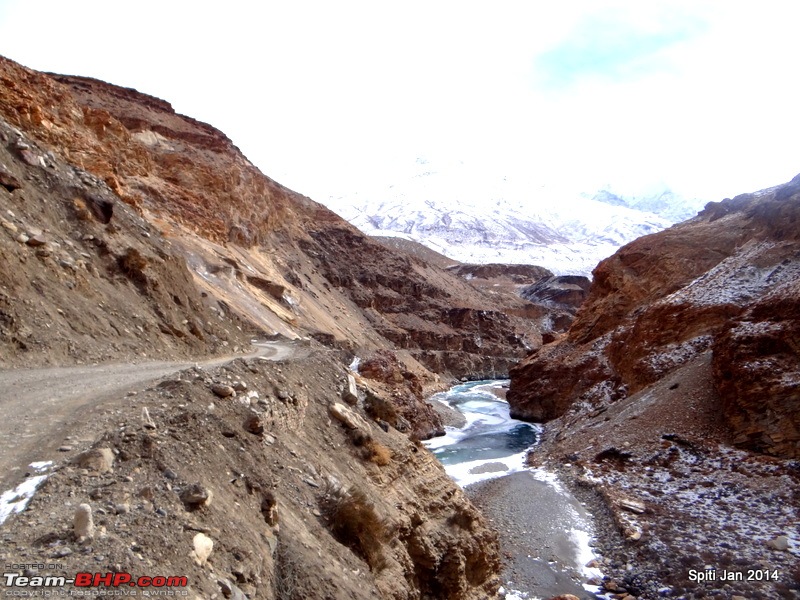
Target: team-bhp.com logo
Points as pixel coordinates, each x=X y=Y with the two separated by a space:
x=157 y=585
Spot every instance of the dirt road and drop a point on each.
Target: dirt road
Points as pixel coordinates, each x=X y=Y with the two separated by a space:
x=43 y=408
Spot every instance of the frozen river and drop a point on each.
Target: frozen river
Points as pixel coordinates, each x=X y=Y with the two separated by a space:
x=542 y=526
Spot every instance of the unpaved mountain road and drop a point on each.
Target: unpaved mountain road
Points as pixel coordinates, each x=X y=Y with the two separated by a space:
x=41 y=408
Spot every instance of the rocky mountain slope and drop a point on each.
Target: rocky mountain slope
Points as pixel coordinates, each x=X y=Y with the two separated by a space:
x=250 y=479
x=674 y=396
x=469 y=217
x=277 y=260
x=725 y=283
x=130 y=232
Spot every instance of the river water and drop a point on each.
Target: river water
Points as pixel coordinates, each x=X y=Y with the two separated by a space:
x=542 y=526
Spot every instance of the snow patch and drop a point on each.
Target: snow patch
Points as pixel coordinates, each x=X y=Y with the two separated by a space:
x=16 y=500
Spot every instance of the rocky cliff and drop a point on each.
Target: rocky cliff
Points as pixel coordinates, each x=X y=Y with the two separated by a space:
x=275 y=259
x=722 y=284
x=129 y=232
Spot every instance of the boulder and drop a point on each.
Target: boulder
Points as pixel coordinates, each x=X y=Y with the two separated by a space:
x=202 y=546
x=350 y=393
x=83 y=524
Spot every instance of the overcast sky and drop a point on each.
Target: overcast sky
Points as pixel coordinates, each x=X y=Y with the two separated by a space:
x=332 y=97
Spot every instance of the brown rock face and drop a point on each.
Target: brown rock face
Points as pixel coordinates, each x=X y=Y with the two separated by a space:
x=155 y=178
x=757 y=373
x=723 y=282
x=446 y=324
x=406 y=410
x=562 y=291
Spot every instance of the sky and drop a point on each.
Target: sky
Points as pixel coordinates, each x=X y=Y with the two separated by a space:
x=331 y=98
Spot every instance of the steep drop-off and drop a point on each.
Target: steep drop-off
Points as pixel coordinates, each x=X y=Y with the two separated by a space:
x=129 y=232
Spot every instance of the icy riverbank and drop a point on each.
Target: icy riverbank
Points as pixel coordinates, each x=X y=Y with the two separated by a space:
x=544 y=530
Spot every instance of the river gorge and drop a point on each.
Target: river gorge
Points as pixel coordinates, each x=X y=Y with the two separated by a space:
x=545 y=532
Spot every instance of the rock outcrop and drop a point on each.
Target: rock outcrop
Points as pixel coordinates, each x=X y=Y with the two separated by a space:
x=147 y=192
x=563 y=291
x=723 y=283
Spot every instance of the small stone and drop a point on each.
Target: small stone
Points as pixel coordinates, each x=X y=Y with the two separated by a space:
x=283 y=395
x=350 y=393
x=231 y=591
x=632 y=505
x=22 y=238
x=61 y=552
x=196 y=495
x=348 y=417
x=123 y=508
x=36 y=240
x=8 y=225
x=31 y=158
x=170 y=474
x=99 y=460
x=223 y=391
x=161 y=512
x=254 y=424
x=780 y=543
x=146 y=420
x=82 y=524
x=240 y=386
x=202 y=548
x=65 y=448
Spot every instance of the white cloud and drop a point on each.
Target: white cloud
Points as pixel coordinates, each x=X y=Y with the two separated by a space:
x=332 y=97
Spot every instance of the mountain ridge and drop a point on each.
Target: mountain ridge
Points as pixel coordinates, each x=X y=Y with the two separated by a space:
x=472 y=218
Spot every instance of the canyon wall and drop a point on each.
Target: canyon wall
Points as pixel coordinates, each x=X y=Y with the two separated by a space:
x=723 y=283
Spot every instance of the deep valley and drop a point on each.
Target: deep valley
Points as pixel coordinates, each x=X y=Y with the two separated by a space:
x=206 y=374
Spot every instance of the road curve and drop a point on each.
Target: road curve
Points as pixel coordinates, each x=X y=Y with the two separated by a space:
x=41 y=406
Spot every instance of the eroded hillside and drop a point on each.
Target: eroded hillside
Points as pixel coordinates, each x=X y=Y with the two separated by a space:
x=281 y=262
x=131 y=233
x=251 y=479
x=674 y=397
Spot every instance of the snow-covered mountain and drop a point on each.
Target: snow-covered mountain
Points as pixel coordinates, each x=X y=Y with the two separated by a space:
x=470 y=217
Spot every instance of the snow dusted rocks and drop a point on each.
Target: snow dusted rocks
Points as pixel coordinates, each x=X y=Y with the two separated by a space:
x=723 y=283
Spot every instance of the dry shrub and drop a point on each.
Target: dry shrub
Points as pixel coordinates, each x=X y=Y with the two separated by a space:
x=133 y=264
x=354 y=522
x=378 y=453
